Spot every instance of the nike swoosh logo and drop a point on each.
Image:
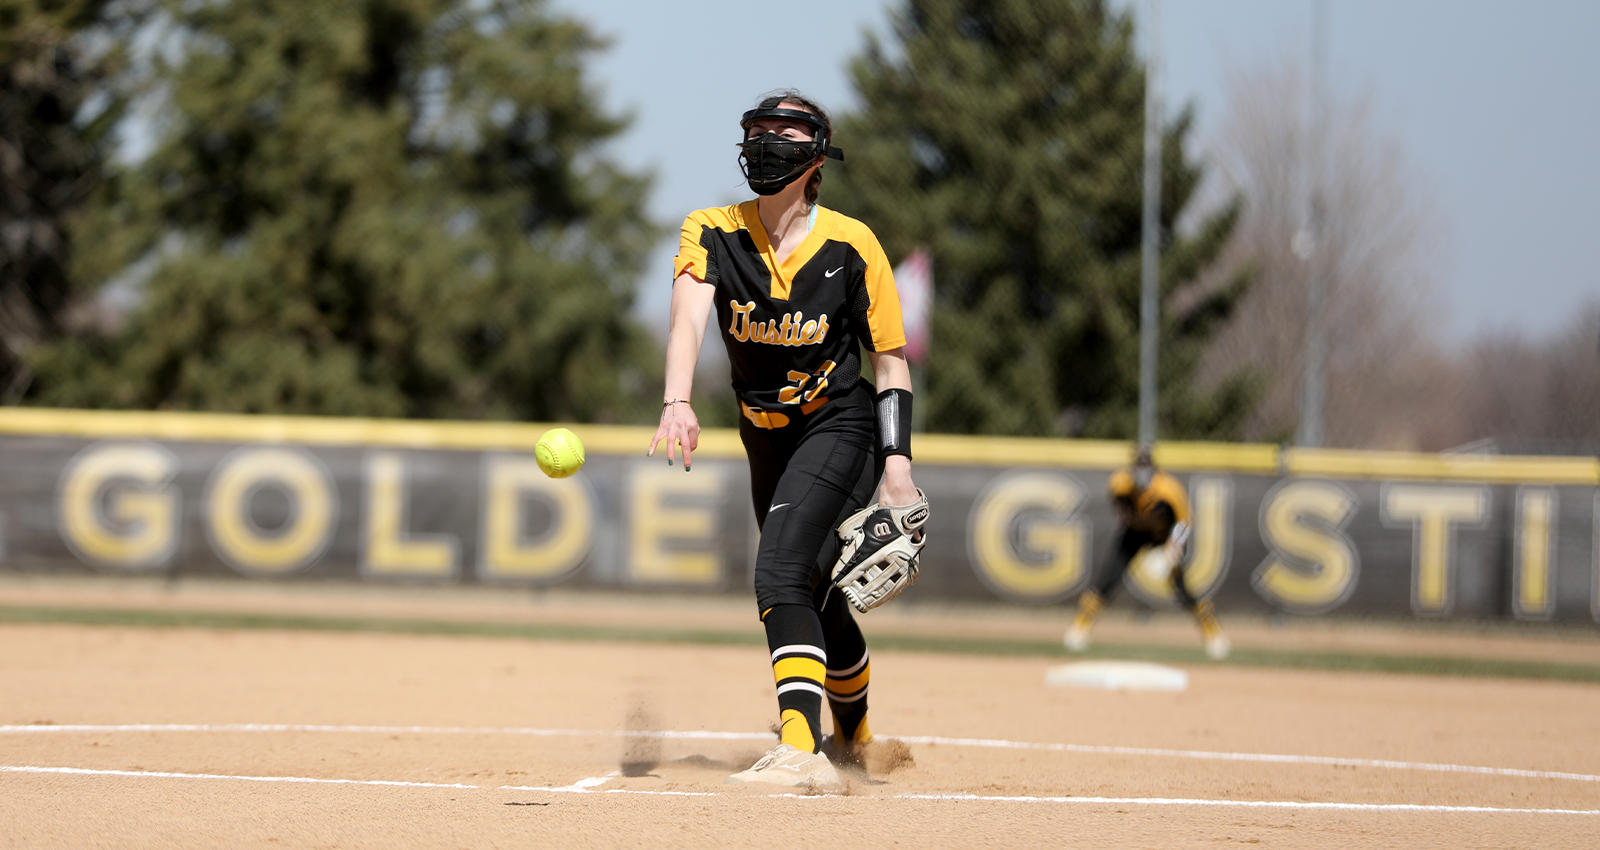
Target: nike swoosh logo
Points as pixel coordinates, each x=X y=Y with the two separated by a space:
x=834 y=272
x=775 y=507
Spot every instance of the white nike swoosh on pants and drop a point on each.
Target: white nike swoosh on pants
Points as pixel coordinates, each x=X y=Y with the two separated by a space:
x=775 y=507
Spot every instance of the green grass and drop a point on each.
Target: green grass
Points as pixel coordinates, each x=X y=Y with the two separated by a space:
x=1347 y=662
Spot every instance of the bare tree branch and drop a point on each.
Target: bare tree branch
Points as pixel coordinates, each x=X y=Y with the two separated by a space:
x=1373 y=256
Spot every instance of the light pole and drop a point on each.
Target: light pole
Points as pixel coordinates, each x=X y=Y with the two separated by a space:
x=1150 y=243
x=1307 y=241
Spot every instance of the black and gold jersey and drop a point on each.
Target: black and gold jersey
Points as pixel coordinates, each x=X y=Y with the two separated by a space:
x=793 y=330
x=1156 y=507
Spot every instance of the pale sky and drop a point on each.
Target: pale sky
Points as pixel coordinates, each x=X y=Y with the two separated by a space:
x=1495 y=103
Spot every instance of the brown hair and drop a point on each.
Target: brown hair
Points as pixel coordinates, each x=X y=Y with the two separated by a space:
x=777 y=96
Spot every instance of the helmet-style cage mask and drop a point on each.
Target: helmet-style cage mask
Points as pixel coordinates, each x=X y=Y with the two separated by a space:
x=772 y=162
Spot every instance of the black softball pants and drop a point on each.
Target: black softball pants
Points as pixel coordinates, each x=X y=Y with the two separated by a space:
x=1128 y=545
x=805 y=478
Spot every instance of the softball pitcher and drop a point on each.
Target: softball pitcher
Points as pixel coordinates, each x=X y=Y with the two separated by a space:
x=798 y=290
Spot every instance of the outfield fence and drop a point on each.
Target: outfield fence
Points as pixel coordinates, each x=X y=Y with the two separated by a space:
x=266 y=498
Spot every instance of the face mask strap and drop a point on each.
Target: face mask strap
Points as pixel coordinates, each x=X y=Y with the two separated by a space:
x=780 y=114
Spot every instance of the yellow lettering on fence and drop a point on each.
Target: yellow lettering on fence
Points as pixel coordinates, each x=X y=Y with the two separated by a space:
x=117 y=507
x=674 y=525
x=1312 y=566
x=1535 y=543
x=1433 y=512
x=1594 y=552
x=507 y=553
x=1026 y=539
x=313 y=510
x=387 y=550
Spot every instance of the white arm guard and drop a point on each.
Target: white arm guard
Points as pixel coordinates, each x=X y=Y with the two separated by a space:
x=881 y=548
x=1178 y=544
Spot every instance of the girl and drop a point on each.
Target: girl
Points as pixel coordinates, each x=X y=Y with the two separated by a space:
x=798 y=291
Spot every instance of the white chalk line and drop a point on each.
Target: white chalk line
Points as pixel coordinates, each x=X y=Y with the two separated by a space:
x=386 y=730
x=588 y=786
x=988 y=743
x=159 y=774
x=1252 y=804
x=591 y=783
x=1253 y=757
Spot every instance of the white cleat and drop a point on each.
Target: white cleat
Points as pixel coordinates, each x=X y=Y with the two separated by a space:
x=784 y=765
x=1077 y=639
x=1217 y=647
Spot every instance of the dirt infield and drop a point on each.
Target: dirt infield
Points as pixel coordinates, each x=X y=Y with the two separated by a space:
x=113 y=736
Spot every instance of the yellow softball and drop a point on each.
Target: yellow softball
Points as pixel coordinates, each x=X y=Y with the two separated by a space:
x=559 y=452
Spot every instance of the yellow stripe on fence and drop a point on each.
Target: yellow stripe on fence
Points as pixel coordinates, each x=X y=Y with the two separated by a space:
x=724 y=443
x=1503 y=469
x=336 y=431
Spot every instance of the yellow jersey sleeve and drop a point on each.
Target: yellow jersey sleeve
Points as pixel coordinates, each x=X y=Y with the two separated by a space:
x=691 y=247
x=1165 y=488
x=884 y=320
x=885 y=326
x=691 y=254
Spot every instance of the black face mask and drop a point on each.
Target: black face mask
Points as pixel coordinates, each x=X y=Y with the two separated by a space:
x=772 y=162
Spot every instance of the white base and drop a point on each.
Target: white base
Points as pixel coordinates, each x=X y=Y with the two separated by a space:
x=1118 y=676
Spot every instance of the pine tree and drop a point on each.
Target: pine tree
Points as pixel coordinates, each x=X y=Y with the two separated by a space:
x=371 y=207
x=1007 y=136
x=50 y=161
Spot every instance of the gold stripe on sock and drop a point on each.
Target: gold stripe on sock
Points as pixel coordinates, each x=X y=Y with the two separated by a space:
x=852 y=684
x=1208 y=620
x=800 y=667
x=796 y=732
x=1089 y=604
x=863 y=734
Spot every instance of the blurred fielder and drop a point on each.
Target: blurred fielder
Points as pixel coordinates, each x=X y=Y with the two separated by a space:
x=1153 y=512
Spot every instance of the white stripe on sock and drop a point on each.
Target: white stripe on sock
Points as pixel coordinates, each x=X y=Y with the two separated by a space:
x=810 y=687
x=800 y=649
x=845 y=674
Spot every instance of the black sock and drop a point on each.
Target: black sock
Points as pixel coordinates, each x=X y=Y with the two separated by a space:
x=849 y=670
x=799 y=664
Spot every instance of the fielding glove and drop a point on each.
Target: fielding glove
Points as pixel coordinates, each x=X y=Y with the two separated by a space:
x=881 y=549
